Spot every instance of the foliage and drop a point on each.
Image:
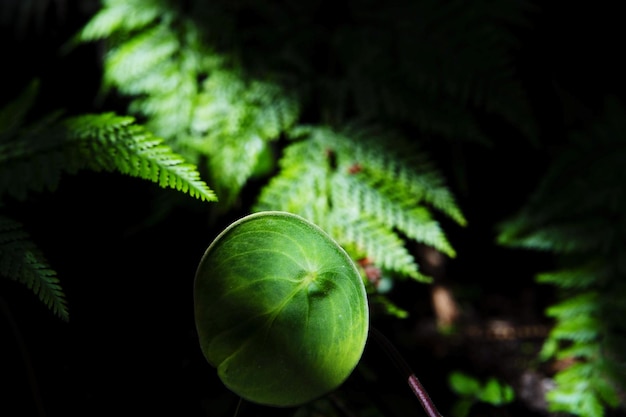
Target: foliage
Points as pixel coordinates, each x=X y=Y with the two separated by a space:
x=471 y=390
x=367 y=189
x=329 y=110
x=35 y=154
x=190 y=73
x=577 y=212
x=192 y=96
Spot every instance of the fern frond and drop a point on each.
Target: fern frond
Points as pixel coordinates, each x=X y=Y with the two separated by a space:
x=32 y=158
x=577 y=212
x=194 y=98
x=35 y=158
x=21 y=261
x=582 y=328
x=366 y=195
x=580 y=277
x=120 y=15
x=356 y=194
x=391 y=162
x=584 y=304
x=111 y=142
x=372 y=239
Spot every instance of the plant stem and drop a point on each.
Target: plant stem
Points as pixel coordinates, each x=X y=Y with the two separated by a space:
x=403 y=366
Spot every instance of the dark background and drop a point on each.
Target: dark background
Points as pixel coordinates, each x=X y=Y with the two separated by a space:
x=130 y=346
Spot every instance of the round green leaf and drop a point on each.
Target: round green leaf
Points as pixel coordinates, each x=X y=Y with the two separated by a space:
x=281 y=310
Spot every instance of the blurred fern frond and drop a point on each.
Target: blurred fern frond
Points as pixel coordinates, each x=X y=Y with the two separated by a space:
x=193 y=97
x=371 y=190
x=20 y=260
x=577 y=212
x=438 y=67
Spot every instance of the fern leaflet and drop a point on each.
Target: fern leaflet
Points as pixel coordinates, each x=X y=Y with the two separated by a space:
x=21 y=261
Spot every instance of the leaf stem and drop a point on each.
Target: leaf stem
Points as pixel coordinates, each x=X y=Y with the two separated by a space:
x=403 y=366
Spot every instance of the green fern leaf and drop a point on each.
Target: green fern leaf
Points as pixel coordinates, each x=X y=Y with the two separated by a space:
x=369 y=198
x=578 y=329
x=21 y=261
x=189 y=95
x=390 y=210
x=579 y=277
x=112 y=142
x=584 y=304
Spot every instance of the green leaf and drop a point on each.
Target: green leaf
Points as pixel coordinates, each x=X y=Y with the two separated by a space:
x=463 y=384
x=496 y=393
x=281 y=310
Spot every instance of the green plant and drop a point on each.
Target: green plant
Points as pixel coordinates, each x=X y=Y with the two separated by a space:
x=34 y=155
x=471 y=391
x=282 y=313
x=195 y=97
x=280 y=309
x=577 y=213
x=330 y=111
x=234 y=112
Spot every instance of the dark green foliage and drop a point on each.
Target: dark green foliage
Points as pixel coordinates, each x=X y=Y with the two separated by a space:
x=578 y=213
x=471 y=391
x=34 y=155
x=21 y=261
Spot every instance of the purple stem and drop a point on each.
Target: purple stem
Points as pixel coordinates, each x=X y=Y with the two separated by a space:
x=403 y=366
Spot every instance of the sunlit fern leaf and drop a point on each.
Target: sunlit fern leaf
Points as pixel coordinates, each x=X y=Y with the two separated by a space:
x=116 y=143
x=365 y=194
x=355 y=194
x=390 y=162
x=20 y=260
x=35 y=158
x=233 y=121
x=377 y=241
